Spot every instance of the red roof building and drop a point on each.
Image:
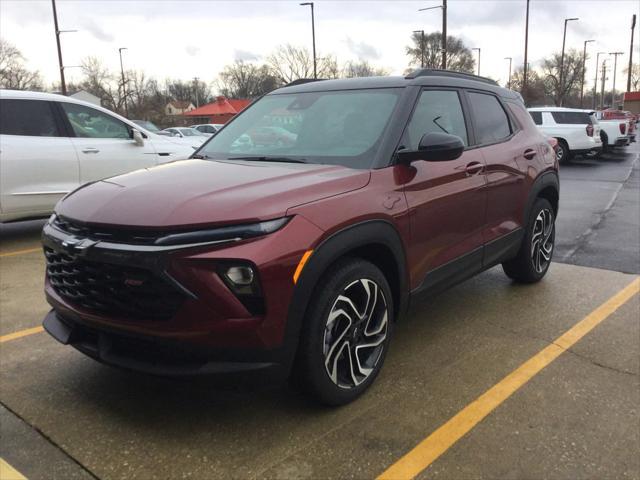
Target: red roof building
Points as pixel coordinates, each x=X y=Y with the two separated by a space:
x=219 y=111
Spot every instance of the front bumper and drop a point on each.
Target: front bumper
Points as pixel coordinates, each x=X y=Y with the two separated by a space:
x=211 y=327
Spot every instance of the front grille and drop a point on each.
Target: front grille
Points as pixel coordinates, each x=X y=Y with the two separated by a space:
x=117 y=235
x=111 y=289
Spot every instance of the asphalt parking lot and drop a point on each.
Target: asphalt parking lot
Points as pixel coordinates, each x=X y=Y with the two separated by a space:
x=480 y=382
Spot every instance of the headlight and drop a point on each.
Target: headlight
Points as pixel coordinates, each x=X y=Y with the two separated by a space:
x=236 y=232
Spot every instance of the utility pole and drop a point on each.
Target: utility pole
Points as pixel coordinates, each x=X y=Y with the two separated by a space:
x=444 y=34
x=444 y=30
x=421 y=32
x=313 y=35
x=63 y=85
x=509 y=81
x=584 y=60
x=595 y=82
x=526 y=52
x=604 y=74
x=633 y=26
x=615 y=67
x=564 y=39
x=195 y=88
x=478 y=49
x=124 y=83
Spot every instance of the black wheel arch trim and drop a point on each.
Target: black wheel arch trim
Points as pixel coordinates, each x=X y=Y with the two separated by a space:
x=545 y=180
x=337 y=245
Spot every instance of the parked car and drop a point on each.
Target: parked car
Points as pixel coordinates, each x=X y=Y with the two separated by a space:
x=52 y=144
x=576 y=130
x=208 y=128
x=151 y=127
x=188 y=134
x=301 y=258
x=618 y=127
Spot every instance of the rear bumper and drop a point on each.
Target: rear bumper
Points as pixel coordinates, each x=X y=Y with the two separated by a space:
x=622 y=141
x=153 y=356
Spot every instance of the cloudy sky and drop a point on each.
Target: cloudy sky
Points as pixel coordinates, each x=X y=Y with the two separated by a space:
x=184 y=39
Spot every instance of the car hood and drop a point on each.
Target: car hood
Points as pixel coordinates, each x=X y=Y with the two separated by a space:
x=206 y=192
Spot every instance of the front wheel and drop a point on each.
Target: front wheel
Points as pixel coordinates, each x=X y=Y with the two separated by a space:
x=536 y=251
x=346 y=333
x=563 y=154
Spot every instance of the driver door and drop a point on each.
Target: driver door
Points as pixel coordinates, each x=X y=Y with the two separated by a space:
x=447 y=199
x=104 y=144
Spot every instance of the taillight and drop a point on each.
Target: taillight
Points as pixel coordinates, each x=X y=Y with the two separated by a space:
x=590 y=130
x=623 y=128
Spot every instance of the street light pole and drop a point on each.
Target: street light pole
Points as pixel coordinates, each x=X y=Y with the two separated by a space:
x=444 y=30
x=421 y=32
x=313 y=36
x=633 y=26
x=478 y=49
x=526 y=52
x=615 y=67
x=604 y=75
x=564 y=39
x=124 y=83
x=509 y=81
x=584 y=59
x=63 y=84
x=595 y=82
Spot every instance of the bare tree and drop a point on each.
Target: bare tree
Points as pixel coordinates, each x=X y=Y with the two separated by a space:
x=362 y=68
x=13 y=74
x=289 y=63
x=535 y=94
x=459 y=57
x=246 y=80
x=635 y=76
x=103 y=84
x=570 y=89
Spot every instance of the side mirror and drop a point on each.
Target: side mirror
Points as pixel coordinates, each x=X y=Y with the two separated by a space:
x=434 y=147
x=137 y=138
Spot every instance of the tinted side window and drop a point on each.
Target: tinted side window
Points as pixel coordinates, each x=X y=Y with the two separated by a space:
x=490 y=119
x=572 y=118
x=33 y=118
x=537 y=117
x=436 y=111
x=91 y=123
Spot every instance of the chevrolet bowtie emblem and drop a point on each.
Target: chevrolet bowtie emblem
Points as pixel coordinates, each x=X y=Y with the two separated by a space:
x=78 y=244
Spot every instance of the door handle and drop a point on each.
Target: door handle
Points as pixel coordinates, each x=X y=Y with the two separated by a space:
x=529 y=154
x=90 y=150
x=473 y=168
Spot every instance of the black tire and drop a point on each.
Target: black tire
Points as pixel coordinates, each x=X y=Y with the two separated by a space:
x=319 y=334
x=605 y=142
x=536 y=251
x=563 y=154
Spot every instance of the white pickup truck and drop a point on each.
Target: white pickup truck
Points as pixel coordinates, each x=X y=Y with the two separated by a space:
x=613 y=132
x=577 y=131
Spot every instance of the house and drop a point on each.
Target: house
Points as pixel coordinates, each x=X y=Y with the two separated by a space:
x=221 y=110
x=178 y=107
x=86 y=97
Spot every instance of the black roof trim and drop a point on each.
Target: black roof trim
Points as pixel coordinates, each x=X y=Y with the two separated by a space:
x=302 y=81
x=433 y=72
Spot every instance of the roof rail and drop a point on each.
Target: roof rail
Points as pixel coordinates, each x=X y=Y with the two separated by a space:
x=435 y=72
x=301 y=81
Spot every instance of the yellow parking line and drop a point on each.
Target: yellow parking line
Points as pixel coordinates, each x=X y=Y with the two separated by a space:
x=21 y=252
x=7 y=472
x=20 y=334
x=429 y=449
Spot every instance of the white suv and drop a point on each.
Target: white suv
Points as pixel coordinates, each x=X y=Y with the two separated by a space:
x=50 y=145
x=576 y=130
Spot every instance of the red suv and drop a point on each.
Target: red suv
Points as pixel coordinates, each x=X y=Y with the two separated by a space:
x=300 y=257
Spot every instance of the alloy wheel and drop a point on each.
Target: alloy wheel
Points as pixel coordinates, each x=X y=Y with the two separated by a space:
x=542 y=240
x=559 y=152
x=355 y=332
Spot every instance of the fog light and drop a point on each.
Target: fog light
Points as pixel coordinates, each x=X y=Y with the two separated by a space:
x=241 y=276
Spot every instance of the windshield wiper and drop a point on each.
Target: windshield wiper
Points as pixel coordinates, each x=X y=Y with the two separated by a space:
x=200 y=156
x=272 y=159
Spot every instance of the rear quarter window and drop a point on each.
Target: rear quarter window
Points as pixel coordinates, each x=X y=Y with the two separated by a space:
x=572 y=118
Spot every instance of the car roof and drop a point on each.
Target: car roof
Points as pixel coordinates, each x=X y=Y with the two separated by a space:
x=425 y=77
x=559 y=109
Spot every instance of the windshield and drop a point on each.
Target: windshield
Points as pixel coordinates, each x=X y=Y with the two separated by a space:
x=339 y=127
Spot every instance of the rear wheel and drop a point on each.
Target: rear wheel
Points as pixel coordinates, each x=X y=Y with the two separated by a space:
x=346 y=333
x=605 y=142
x=536 y=251
x=563 y=154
